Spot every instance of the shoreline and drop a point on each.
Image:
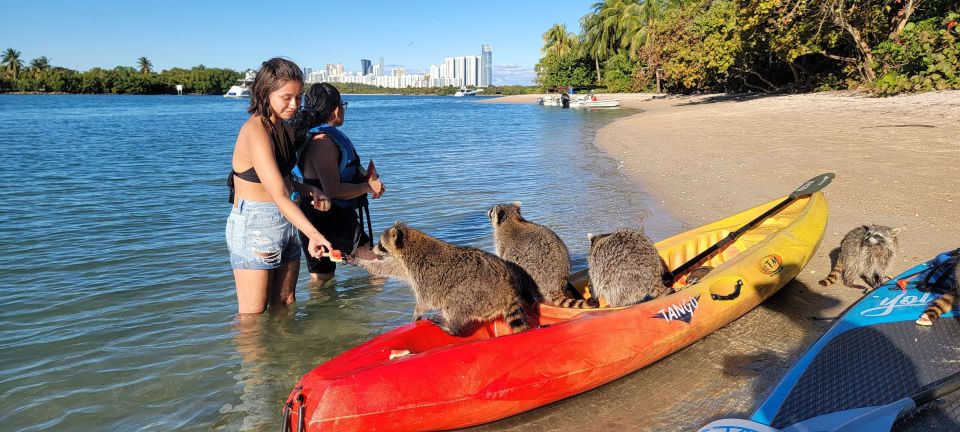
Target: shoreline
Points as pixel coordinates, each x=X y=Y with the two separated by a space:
x=705 y=157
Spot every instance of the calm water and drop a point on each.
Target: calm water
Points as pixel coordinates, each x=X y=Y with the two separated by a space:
x=119 y=309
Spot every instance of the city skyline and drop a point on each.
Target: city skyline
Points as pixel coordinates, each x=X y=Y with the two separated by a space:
x=459 y=71
x=186 y=34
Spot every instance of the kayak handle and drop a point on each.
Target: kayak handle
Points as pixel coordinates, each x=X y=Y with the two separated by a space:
x=731 y=296
x=301 y=424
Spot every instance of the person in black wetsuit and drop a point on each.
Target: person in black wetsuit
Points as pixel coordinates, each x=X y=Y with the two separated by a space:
x=263 y=243
x=330 y=162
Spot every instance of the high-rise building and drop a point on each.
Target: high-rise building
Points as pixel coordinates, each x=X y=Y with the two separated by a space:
x=399 y=72
x=460 y=70
x=471 y=73
x=307 y=71
x=366 y=67
x=486 y=66
x=447 y=69
x=377 y=71
x=334 y=69
x=382 y=68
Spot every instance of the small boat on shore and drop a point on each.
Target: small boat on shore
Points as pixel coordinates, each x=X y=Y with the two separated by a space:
x=590 y=101
x=417 y=377
x=242 y=90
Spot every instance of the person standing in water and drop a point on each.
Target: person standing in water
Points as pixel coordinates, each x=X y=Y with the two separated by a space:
x=331 y=162
x=263 y=243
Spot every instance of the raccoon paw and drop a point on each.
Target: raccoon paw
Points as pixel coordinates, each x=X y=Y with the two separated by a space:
x=924 y=320
x=593 y=302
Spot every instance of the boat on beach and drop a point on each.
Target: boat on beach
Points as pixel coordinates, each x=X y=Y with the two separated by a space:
x=242 y=90
x=590 y=101
x=417 y=377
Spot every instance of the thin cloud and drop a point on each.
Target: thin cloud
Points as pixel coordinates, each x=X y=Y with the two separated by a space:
x=513 y=74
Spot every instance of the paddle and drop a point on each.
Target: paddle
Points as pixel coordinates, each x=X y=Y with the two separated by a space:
x=811 y=186
x=872 y=418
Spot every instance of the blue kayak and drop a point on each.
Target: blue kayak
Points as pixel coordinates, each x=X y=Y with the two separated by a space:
x=874 y=357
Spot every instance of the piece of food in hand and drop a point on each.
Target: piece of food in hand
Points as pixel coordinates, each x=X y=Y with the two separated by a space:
x=372 y=171
x=334 y=255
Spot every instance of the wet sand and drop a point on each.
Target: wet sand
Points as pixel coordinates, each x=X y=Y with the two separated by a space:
x=705 y=157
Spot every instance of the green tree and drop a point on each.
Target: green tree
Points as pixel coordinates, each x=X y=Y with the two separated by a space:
x=145 y=66
x=12 y=63
x=558 y=41
x=562 y=71
x=39 y=65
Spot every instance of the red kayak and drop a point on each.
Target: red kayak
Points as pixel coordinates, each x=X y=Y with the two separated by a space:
x=417 y=377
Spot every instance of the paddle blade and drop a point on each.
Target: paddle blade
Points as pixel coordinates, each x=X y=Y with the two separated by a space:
x=813 y=185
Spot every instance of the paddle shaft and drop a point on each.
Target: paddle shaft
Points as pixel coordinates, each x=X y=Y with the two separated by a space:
x=726 y=240
x=811 y=186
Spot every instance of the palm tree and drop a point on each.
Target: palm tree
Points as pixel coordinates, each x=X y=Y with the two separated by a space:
x=559 y=41
x=145 y=65
x=38 y=65
x=621 y=26
x=12 y=63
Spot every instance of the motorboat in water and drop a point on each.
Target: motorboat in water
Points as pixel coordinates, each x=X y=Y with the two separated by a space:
x=466 y=92
x=242 y=90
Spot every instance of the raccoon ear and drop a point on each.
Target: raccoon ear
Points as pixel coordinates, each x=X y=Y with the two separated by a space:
x=500 y=215
x=590 y=236
x=398 y=237
x=490 y=213
x=895 y=231
x=516 y=203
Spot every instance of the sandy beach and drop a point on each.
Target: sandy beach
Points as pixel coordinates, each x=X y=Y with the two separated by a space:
x=705 y=157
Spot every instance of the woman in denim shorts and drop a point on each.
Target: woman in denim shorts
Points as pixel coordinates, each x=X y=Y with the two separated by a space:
x=262 y=227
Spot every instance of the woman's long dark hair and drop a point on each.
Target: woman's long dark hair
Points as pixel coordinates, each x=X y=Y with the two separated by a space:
x=318 y=105
x=273 y=74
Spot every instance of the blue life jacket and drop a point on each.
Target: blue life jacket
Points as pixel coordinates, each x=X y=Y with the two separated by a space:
x=349 y=167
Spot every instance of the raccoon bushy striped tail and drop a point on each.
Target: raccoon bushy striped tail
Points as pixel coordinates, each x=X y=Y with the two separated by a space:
x=937 y=307
x=516 y=318
x=834 y=275
x=563 y=301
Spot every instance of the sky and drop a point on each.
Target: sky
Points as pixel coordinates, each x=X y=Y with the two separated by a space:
x=241 y=34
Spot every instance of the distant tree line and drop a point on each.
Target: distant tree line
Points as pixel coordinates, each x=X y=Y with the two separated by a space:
x=887 y=46
x=40 y=76
x=356 y=88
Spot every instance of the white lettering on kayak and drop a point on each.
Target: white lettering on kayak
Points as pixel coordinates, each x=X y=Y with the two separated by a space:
x=682 y=311
x=902 y=300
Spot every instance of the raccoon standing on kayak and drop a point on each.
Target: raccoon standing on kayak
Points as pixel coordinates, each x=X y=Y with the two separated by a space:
x=539 y=251
x=945 y=303
x=465 y=284
x=625 y=268
x=867 y=251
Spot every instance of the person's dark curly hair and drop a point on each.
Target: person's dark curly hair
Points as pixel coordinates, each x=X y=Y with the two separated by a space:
x=318 y=105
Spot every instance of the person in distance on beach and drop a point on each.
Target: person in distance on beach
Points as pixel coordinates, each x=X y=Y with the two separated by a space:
x=264 y=247
x=330 y=161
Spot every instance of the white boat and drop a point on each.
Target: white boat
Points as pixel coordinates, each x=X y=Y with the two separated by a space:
x=466 y=92
x=549 y=101
x=589 y=101
x=243 y=89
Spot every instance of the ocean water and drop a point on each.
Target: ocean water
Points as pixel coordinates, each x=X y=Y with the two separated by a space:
x=118 y=305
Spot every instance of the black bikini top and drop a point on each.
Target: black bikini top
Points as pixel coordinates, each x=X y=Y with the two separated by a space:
x=284 y=150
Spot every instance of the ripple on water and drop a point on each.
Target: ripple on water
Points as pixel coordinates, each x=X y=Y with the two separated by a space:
x=119 y=305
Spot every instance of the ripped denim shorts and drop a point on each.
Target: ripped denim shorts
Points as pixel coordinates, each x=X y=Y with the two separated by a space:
x=259 y=237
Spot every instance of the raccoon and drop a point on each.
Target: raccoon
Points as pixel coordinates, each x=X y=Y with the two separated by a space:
x=466 y=284
x=945 y=303
x=625 y=268
x=867 y=251
x=539 y=251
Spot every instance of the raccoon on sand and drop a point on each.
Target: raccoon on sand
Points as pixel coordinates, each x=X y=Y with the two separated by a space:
x=539 y=251
x=868 y=252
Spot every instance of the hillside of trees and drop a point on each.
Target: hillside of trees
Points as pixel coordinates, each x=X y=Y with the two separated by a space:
x=883 y=46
